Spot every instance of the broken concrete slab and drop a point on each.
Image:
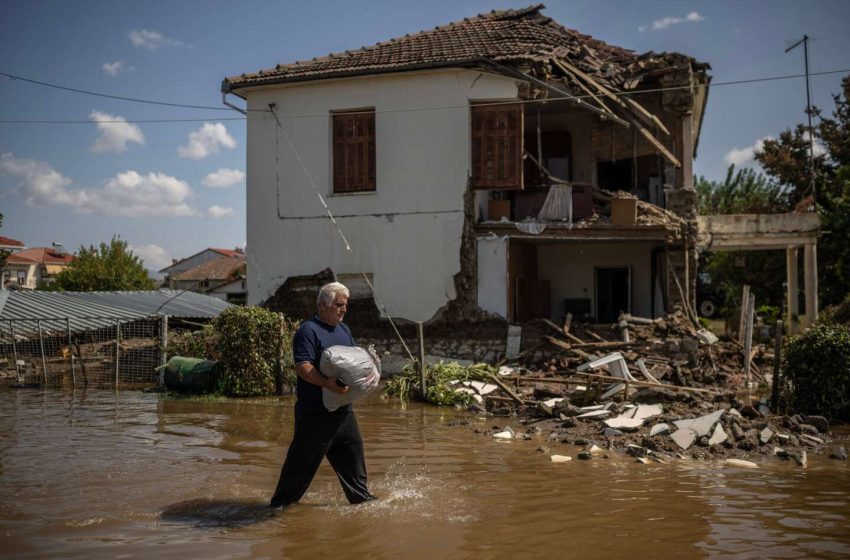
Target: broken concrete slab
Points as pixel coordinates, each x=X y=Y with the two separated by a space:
x=765 y=435
x=589 y=408
x=595 y=414
x=483 y=388
x=706 y=336
x=719 y=436
x=814 y=440
x=625 y=424
x=596 y=449
x=703 y=425
x=561 y=458
x=733 y=412
x=659 y=429
x=684 y=437
x=741 y=463
x=504 y=434
x=643 y=460
x=611 y=432
x=644 y=411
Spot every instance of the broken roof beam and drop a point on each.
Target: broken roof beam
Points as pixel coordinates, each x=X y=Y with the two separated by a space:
x=624 y=101
x=564 y=94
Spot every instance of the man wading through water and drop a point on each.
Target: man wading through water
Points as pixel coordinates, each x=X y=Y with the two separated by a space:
x=318 y=432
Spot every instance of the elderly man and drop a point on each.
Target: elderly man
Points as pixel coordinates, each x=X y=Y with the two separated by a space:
x=318 y=432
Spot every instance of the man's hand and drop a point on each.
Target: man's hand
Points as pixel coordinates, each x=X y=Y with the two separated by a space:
x=307 y=372
x=333 y=386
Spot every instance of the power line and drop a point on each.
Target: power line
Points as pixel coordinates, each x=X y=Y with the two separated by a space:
x=399 y=110
x=118 y=97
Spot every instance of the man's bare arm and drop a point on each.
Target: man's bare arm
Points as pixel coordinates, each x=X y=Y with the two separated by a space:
x=310 y=374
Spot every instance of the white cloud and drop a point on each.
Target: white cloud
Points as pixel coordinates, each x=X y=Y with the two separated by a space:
x=219 y=212
x=127 y=194
x=42 y=185
x=154 y=256
x=745 y=156
x=818 y=149
x=114 y=68
x=206 y=140
x=153 y=40
x=223 y=178
x=115 y=133
x=666 y=22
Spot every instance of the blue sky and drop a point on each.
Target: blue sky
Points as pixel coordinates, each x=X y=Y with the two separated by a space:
x=68 y=182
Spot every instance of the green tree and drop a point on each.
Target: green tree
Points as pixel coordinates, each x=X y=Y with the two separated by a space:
x=744 y=191
x=109 y=267
x=786 y=162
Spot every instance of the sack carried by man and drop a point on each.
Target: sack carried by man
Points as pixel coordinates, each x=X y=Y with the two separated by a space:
x=358 y=368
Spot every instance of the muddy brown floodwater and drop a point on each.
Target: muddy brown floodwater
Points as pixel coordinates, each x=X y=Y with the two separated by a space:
x=100 y=474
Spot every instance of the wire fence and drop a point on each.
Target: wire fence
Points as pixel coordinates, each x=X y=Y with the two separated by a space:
x=91 y=351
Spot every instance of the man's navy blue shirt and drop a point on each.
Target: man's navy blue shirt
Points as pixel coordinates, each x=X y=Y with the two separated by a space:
x=312 y=338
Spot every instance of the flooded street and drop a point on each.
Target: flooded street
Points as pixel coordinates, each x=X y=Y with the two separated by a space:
x=102 y=474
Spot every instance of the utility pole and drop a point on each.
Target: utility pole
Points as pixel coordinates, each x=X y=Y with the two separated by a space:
x=805 y=42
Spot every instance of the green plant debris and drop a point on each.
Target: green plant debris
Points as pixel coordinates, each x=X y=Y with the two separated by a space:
x=438 y=378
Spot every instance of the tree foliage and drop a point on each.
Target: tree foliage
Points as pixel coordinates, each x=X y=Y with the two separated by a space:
x=744 y=191
x=110 y=267
x=741 y=192
x=786 y=162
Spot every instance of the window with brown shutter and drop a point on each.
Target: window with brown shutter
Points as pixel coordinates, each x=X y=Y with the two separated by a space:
x=497 y=146
x=353 y=150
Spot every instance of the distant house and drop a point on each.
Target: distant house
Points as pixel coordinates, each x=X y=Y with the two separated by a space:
x=182 y=265
x=9 y=245
x=222 y=277
x=35 y=267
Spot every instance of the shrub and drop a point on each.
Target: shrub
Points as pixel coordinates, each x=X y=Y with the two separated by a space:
x=255 y=350
x=438 y=378
x=816 y=372
x=193 y=344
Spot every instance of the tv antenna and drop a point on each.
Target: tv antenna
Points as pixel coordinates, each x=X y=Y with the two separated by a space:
x=805 y=42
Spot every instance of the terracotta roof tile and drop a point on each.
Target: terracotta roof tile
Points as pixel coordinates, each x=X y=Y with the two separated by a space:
x=9 y=242
x=222 y=268
x=40 y=255
x=508 y=36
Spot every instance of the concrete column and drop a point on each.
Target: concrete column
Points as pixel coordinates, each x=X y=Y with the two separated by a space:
x=791 y=293
x=687 y=151
x=810 y=274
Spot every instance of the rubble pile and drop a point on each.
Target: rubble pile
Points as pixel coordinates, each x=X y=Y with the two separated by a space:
x=655 y=389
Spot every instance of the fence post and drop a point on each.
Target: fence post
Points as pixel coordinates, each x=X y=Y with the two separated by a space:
x=748 y=342
x=163 y=339
x=777 y=351
x=43 y=359
x=117 y=349
x=14 y=349
x=742 y=325
x=71 y=352
x=422 y=359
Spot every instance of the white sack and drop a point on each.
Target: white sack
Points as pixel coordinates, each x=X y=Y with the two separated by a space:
x=358 y=368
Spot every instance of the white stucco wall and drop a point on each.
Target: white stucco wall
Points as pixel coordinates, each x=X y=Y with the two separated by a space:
x=422 y=160
x=570 y=270
x=493 y=275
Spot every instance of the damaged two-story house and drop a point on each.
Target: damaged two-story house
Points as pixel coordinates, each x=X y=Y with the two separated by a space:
x=502 y=163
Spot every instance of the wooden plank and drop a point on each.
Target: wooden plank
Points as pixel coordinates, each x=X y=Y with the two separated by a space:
x=506 y=389
x=583 y=87
x=595 y=376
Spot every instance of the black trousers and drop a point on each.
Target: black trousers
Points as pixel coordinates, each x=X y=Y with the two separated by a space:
x=319 y=434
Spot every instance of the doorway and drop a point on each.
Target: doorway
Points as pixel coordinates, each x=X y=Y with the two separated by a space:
x=613 y=293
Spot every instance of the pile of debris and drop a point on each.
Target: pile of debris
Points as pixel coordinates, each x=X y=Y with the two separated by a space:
x=656 y=389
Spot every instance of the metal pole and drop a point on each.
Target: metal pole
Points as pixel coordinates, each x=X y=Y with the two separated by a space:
x=422 y=359
x=14 y=349
x=805 y=41
x=117 y=349
x=777 y=350
x=71 y=352
x=748 y=343
x=742 y=325
x=41 y=344
x=163 y=350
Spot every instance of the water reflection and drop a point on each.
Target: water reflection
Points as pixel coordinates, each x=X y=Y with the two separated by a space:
x=93 y=474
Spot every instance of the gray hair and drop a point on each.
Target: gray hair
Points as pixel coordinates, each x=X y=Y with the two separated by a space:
x=328 y=292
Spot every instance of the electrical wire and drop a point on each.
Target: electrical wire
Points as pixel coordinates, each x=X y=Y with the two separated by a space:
x=118 y=97
x=399 y=110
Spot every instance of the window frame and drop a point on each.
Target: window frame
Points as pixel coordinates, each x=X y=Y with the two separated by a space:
x=489 y=128
x=353 y=172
